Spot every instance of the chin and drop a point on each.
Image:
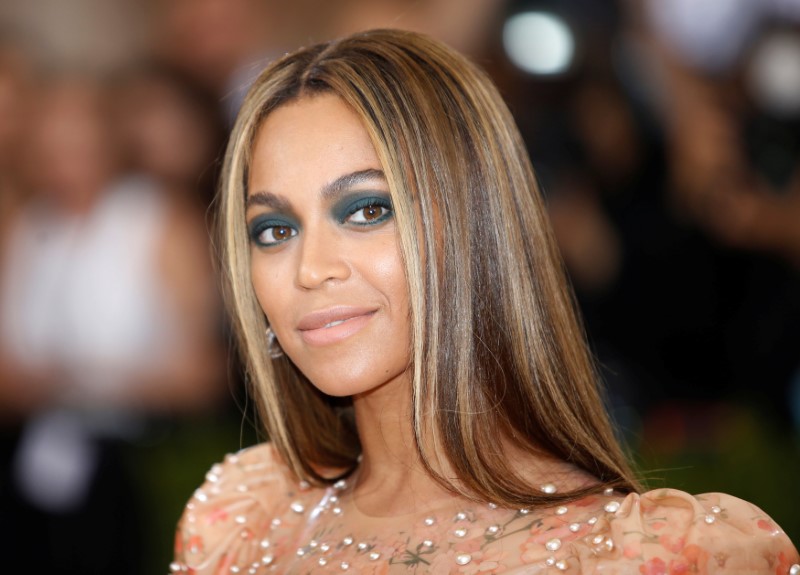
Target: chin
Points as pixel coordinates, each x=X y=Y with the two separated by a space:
x=348 y=383
x=344 y=386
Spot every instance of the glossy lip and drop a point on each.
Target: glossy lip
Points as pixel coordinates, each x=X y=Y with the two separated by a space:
x=315 y=328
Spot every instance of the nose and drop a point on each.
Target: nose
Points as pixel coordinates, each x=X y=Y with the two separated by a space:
x=321 y=259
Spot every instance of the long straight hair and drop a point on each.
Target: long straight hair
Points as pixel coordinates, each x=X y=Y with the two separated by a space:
x=498 y=354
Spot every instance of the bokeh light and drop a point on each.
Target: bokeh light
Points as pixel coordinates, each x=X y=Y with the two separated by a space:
x=539 y=43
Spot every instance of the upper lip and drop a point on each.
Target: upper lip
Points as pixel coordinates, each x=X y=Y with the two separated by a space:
x=321 y=318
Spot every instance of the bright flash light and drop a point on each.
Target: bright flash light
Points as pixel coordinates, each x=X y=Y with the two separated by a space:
x=539 y=43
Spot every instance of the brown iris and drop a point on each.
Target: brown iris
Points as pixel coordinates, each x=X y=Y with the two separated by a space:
x=372 y=212
x=282 y=232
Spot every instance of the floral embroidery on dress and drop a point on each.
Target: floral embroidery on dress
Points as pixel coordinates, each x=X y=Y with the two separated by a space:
x=251 y=517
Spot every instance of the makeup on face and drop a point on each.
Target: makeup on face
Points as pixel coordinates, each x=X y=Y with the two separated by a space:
x=353 y=208
x=325 y=258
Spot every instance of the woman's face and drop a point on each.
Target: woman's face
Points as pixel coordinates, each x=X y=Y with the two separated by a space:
x=325 y=260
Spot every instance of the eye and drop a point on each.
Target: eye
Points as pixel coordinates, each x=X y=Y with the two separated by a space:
x=276 y=234
x=270 y=233
x=369 y=211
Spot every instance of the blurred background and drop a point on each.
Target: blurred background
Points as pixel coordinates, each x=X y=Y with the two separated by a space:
x=665 y=137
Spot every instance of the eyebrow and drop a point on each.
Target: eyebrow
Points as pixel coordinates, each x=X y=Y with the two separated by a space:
x=348 y=181
x=337 y=186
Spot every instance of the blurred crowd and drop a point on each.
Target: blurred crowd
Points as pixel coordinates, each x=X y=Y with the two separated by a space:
x=668 y=149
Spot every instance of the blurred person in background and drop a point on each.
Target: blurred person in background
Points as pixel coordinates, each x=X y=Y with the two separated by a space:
x=465 y=25
x=171 y=130
x=733 y=140
x=107 y=317
x=735 y=144
x=670 y=187
x=16 y=78
x=223 y=44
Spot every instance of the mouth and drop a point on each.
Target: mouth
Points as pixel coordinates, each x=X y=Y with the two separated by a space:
x=330 y=326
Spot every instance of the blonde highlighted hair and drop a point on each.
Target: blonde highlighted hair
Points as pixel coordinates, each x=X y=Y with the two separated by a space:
x=498 y=354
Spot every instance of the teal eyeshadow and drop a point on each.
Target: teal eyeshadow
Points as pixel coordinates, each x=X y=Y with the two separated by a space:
x=351 y=203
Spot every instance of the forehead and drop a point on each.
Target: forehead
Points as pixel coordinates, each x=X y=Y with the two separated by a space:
x=309 y=142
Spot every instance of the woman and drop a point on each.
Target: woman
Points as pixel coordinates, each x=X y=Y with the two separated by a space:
x=421 y=372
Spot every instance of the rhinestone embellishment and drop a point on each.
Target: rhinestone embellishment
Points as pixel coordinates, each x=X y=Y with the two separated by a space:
x=333 y=553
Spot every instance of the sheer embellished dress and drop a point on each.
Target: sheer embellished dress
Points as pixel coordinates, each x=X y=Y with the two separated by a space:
x=252 y=517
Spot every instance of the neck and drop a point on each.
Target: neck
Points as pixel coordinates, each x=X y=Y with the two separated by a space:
x=391 y=478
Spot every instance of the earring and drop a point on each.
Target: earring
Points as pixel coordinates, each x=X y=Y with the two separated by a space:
x=273 y=345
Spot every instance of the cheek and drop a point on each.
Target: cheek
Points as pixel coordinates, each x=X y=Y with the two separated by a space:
x=387 y=271
x=265 y=280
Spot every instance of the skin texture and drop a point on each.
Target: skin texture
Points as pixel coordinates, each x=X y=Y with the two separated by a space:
x=327 y=257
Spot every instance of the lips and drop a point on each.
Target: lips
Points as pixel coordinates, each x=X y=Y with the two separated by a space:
x=332 y=325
